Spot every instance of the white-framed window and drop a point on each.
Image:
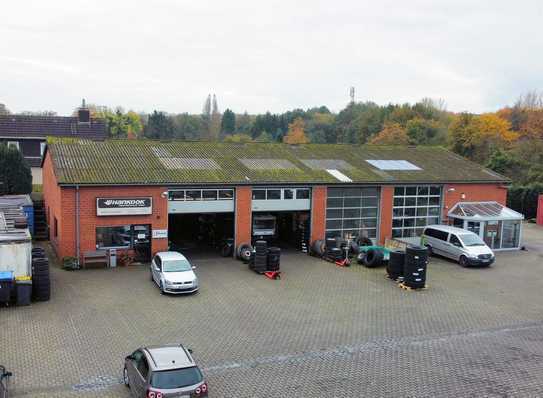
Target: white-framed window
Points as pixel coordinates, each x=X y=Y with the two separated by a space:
x=281 y=193
x=189 y=195
x=352 y=211
x=13 y=144
x=414 y=208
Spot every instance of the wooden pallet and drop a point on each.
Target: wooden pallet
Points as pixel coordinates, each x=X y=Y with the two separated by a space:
x=404 y=287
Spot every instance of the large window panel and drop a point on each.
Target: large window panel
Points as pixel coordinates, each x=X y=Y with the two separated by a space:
x=352 y=211
x=415 y=207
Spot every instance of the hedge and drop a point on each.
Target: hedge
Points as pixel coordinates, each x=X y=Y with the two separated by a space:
x=524 y=199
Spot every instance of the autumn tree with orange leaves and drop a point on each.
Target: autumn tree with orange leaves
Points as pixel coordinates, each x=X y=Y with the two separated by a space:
x=391 y=134
x=296 y=133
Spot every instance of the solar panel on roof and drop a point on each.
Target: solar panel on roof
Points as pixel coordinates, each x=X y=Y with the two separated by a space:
x=266 y=164
x=324 y=164
x=396 y=165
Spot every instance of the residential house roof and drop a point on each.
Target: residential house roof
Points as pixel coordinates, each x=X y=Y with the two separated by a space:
x=28 y=126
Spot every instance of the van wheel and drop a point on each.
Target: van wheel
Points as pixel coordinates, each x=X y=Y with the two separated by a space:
x=430 y=251
x=125 y=377
x=463 y=261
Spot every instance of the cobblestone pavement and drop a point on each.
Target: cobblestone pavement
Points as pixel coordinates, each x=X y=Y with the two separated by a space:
x=321 y=331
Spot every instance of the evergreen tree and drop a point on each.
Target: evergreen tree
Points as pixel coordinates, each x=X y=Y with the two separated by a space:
x=215 y=126
x=206 y=118
x=228 y=122
x=15 y=174
x=159 y=126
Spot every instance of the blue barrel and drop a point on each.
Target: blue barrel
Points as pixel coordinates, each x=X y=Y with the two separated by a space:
x=29 y=213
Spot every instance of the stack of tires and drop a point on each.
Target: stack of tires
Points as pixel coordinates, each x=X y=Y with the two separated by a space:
x=416 y=262
x=395 y=264
x=274 y=259
x=261 y=256
x=41 y=282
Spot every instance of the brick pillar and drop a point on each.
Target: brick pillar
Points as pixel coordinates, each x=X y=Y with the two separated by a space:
x=385 y=227
x=243 y=215
x=318 y=213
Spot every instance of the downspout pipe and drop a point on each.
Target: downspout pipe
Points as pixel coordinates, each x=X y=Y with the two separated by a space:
x=77 y=222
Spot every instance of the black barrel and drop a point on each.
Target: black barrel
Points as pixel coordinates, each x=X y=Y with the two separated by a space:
x=395 y=264
x=274 y=258
x=416 y=262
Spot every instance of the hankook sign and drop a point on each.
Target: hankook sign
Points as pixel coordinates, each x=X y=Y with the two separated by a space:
x=124 y=206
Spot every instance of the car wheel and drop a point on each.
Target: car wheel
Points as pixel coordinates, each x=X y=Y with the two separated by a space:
x=125 y=377
x=430 y=251
x=463 y=261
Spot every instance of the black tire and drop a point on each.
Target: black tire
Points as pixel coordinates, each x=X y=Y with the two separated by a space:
x=354 y=249
x=41 y=281
x=226 y=251
x=430 y=251
x=364 y=241
x=360 y=258
x=373 y=258
x=245 y=252
x=239 y=248
x=318 y=248
x=463 y=261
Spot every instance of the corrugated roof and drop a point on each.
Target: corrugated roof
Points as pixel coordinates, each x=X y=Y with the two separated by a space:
x=138 y=162
x=28 y=126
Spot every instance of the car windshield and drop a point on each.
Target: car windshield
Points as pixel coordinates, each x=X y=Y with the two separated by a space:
x=176 y=378
x=176 y=266
x=471 y=240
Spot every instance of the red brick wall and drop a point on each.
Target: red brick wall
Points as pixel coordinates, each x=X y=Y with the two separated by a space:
x=472 y=193
x=243 y=215
x=385 y=204
x=62 y=204
x=52 y=200
x=318 y=213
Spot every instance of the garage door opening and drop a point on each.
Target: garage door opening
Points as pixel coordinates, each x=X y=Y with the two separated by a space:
x=200 y=234
x=286 y=229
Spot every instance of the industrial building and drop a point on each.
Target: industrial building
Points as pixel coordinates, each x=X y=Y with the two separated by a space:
x=144 y=195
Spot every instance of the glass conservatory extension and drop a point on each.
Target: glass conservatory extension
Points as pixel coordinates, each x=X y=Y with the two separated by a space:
x=499 y=226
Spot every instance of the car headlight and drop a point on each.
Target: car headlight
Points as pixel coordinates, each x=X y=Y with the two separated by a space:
x=167 y=282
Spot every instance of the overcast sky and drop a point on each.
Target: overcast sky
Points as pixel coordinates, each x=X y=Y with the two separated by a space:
x=256 y=55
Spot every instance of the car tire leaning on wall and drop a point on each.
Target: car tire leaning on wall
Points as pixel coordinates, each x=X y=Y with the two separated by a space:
x=318 y=248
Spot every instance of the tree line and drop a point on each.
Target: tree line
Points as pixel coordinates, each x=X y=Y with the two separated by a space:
x=509 y=141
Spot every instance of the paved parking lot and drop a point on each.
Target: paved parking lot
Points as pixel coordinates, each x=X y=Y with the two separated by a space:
x=321 y=331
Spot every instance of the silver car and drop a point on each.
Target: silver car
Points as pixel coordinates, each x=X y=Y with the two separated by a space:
x=162 y=372
x=173 y=273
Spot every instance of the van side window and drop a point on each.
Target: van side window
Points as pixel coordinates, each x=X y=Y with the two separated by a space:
x=455 y=241
x=435 y=233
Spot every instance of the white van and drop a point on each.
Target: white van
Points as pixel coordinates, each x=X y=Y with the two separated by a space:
x=458 y=244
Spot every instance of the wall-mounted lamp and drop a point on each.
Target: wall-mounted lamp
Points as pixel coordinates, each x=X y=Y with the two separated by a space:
x=451 y=190
x=462 y=195
x=164 y=194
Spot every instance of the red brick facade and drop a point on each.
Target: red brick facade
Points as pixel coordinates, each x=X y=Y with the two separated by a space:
x=454 y=193
x=60 y=203
x=318 y=213
x=243 y=215
x=385 y=211
x=539 y=218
